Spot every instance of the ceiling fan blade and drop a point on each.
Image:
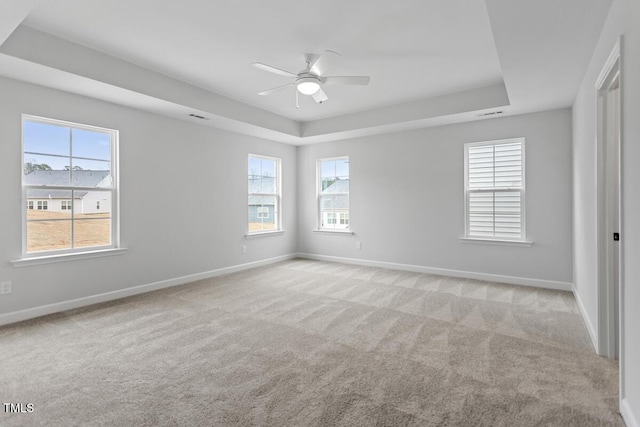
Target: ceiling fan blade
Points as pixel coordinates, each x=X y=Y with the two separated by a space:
x=276 y=89
x=347 y=80
x=322 y=63
x=320 y=96
x=274 y=70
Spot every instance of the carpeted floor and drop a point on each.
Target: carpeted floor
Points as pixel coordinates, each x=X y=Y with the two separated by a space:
x=309 y=343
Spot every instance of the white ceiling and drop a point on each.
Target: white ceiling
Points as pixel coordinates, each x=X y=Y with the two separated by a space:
x=422 y=55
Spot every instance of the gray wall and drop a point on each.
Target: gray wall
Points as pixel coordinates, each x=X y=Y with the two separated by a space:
x=407 y=203
x=183 y=199
x=624 y=20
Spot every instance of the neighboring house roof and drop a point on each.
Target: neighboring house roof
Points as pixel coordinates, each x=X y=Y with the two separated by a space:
x=57 y=178
x=55 y=194
x=341 y=200
x=257 y=183
x=338 y=186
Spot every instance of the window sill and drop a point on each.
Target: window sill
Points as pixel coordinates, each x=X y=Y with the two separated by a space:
x=49 y=259
x=264 y=234
x=344 y=232
x=496 y=242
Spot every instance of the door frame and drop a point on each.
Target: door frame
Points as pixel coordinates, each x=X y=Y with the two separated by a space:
x=609 y=79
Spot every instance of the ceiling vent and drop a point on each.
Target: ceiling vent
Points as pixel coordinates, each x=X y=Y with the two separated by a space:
x=196 y=116
x=491 y=113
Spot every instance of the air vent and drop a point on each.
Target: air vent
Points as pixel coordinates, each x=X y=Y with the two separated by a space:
x=490 y=113
x=196 y=116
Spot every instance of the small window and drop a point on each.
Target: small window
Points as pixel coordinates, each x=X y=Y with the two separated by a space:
x=495 y=190
x=65 y=162
x=344 y=218
x=330 y=218
x=98 y=205
x=333 y=193
x=264 y=194
x=263 y=212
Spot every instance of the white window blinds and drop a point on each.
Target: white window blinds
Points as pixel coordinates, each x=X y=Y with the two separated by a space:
x=494 y=174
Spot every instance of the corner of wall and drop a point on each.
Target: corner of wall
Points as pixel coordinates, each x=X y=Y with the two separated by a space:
x=627 y=415
x=593 y=333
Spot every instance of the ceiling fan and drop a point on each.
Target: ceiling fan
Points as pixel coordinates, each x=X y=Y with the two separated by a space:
x=310 y=80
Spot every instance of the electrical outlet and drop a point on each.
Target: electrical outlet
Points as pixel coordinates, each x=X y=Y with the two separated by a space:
x=358 y=245
x=5 y=287
x=244 y=249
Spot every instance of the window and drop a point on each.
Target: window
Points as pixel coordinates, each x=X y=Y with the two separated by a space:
x=264 y=194
x=333 y=193
x=494 y=190
x=98 y=205
x=331 y=218
x=344 y=218
x=74 y=164
x=263 y=212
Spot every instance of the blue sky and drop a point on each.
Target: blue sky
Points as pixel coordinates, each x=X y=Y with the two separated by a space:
x=54 y=141
x=335 y=168
x=262 y=167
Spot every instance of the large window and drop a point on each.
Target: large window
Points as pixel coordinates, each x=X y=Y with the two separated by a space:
x=67 y=170
x=333 y=193
x=264 y=194
x=495 y=189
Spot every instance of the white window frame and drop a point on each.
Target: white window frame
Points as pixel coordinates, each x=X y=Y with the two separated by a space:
x=521 y=189
x=278 y=195
x=319 y=194
x=66 y=205
x=61 y=254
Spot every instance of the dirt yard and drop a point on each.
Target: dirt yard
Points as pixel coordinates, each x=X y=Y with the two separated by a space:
x=90 y=230
x=258 y=226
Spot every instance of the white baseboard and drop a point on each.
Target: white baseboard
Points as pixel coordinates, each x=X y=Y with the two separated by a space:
x=592 y=332
x=30 y=313
x=627 y=415
x=538 y=283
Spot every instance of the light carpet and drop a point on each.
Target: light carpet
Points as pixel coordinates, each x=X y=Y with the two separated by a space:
x=310 y=343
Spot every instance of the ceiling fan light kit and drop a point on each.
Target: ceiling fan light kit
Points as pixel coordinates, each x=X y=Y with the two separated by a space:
x=308 y=85
x=310 y=80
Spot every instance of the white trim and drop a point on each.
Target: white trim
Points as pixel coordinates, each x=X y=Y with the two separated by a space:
x=587 y=322
x=50 y=259
x=319 y=188
x=627 y=414
x=329 y=231
x=522 y=189
x=30 y=313
x=475 y=240
x=277 y=194
x=114 y=190
x=264 y=233
x=523 y=281
x=608 y=65
x=606 y=269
